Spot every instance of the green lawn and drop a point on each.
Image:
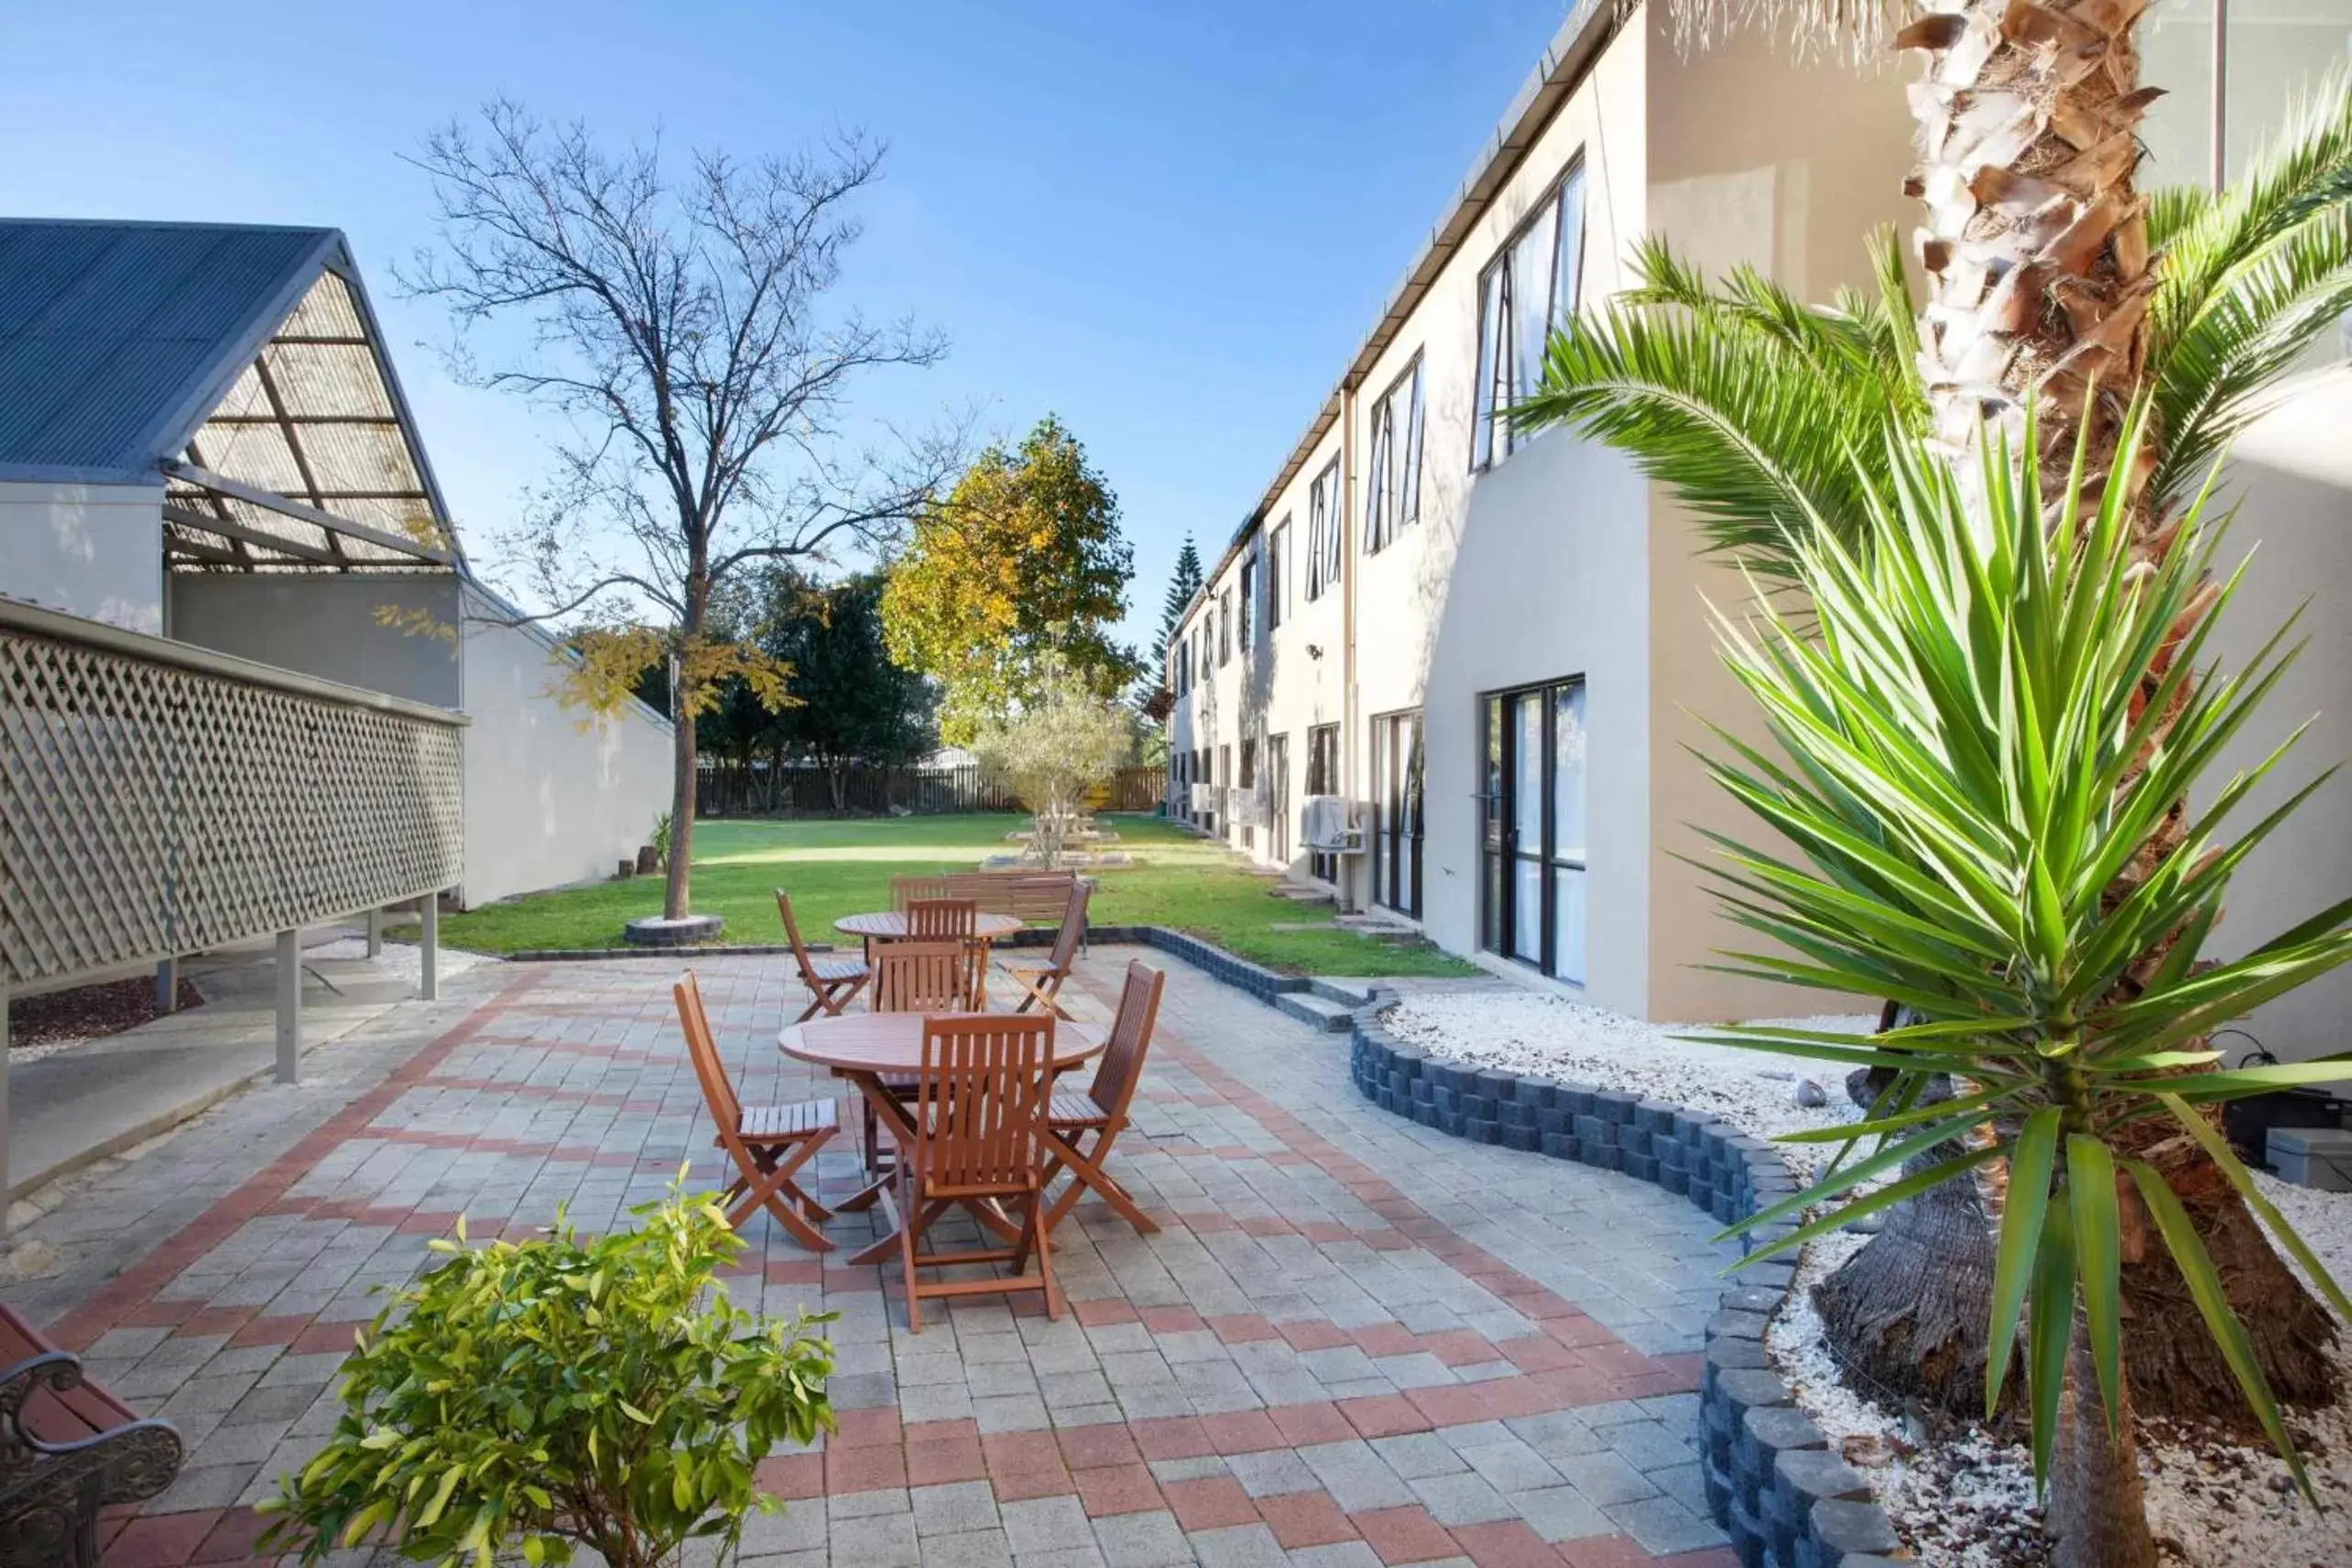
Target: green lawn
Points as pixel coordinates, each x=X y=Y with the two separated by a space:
x=834 y=868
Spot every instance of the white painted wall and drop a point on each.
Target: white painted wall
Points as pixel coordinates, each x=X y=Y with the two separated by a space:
x=552 y=795
x=92 y=550
x=324 y=624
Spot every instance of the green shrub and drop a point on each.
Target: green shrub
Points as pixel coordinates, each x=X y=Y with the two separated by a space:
x=560 y=1392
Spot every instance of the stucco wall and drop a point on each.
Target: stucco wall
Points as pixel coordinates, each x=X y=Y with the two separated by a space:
x=553 y=796
x=92 y=550
x=325 y=624
x=2290 y=478
x=1548 y=583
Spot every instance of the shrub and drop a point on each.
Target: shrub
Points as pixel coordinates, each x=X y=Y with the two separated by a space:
x=560 y=1392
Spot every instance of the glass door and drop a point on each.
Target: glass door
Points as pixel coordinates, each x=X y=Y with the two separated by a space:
x=1532 y=809
x=1396 y=796
x=1277 y=824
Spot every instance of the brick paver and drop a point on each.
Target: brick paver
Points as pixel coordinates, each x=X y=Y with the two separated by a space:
x=1354 y=1341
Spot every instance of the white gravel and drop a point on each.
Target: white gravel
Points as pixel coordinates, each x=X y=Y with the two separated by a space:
x=1965 y=1502
x=1549 y=1037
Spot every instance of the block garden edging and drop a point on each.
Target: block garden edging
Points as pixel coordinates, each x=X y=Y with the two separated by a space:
x=1772 y=1483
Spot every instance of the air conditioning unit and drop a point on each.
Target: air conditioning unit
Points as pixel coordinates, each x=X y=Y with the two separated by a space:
x=1246 y=807
x=1207 y=799
x=1327 y=826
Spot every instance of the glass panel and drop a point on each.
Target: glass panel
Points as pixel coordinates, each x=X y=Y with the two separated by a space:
x=1491 y=905
x=1376 y=486
x=1568 y=773
x=1527 y=783
x=1492 y=825
x=1566 y=269
x=1409 y=500
x=1490 y=306
x=1568 y=925
x=1527 y=910
x=1530 y=260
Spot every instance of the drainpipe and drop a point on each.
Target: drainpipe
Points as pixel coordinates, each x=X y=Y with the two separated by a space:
x=1349 y=739
x=2218 y=108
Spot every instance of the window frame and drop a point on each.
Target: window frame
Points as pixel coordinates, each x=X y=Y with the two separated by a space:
x=1278 y=577
x=1495 y=358
x=1247 y=582
x=1326 y=525
x=1393 y=482
x=1224 y=625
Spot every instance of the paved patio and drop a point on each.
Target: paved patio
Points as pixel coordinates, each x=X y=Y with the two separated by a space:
x=1354 y=1342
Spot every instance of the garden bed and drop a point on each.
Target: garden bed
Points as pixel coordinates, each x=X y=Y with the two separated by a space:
x=1967 y=1503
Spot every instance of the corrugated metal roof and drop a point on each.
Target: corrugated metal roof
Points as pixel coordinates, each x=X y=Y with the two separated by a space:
x=118 y=337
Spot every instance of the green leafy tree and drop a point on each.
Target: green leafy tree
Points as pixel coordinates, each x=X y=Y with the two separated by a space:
x=856 y=703
x=1153 y=697
x=1023 y=559
x=1064 y=739
x=557 y=1393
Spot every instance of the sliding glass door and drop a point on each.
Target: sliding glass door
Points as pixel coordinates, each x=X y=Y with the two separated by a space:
x=1532 y=895
x=1396 y=796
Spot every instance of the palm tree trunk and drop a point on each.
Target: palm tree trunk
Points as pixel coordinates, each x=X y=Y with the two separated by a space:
x=2098 y=1517
x=2035 y=240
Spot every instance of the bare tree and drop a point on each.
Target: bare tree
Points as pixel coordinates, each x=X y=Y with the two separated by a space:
x=676 y=322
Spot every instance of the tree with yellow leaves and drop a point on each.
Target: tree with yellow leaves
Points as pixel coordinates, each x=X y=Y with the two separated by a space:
x=1022 y=561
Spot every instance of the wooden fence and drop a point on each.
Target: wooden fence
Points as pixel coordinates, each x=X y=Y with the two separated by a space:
x=726 y=789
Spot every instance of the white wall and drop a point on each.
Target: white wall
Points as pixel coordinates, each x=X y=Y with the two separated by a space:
x=552 y=795
x=92 y=550
x=324 y=624
x=2290 y=478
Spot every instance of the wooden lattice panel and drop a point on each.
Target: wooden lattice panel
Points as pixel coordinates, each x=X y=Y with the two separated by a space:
x=150 y=808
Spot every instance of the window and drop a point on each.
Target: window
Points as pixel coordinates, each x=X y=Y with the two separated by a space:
x=1532 y=886
x=1278 y=571
x=1224 y=627
x=1180 y=679
x=1396 y=805
x=1248 y=600
x=1249 y=784
x=1322 y=779
x=1277 y=803
x=1392 y=489
x=1324 y=529
x=1208 y=652
x=1524 y=292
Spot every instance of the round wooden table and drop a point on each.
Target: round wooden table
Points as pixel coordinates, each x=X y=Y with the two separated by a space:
x=890 y=925
x=863 y=1047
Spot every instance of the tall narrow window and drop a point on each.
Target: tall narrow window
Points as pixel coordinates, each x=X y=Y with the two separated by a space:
x=1277 y=573
x=1528 y=289
x=1532 y=886
x=1249 y=602
x=1392 y=485
x=1224 y=627
x=1324 y=526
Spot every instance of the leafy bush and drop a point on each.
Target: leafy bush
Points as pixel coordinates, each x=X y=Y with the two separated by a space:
x=561 y=1392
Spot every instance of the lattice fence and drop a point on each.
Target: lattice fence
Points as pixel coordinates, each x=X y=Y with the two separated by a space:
x=156 y=799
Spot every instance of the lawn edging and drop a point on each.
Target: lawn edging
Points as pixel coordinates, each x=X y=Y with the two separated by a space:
x=1772 y=1482
x=1235 y=971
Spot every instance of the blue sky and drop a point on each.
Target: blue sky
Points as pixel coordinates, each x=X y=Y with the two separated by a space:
x=1168 y=224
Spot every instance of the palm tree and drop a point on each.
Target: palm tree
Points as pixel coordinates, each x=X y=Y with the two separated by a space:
x=1965 y=720
x=1770 y=418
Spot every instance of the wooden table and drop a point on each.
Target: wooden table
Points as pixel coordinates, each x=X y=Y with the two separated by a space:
x=890 y=925
x=863 y=1047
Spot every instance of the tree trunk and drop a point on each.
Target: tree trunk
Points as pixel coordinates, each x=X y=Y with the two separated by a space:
x=676 y=891
x=2097 y=1517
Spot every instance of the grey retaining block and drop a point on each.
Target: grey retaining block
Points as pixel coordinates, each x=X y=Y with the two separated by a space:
x=1771 y=1479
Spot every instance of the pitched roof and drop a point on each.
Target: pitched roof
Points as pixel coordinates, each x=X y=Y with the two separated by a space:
x=118 y=337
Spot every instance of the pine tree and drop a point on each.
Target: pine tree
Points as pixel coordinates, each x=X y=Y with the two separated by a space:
x=1151 y=695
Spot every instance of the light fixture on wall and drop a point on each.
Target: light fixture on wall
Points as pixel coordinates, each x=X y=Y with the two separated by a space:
x=1314 y=650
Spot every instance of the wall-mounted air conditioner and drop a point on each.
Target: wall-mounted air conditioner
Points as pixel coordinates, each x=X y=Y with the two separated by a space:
x=1327 y=826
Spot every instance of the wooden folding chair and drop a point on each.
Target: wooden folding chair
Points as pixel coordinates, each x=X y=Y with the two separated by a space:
x=913 y=977
x=767 y=1143
x=935 y=920
x=1044 y=984
x=979 y=1117
x=1080 y=1127
x=833 y=981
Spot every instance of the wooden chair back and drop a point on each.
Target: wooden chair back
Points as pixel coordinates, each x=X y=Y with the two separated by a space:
x=718 y=1092
x=937 y=920
x=1073 y=927
x=1121 y=1069
x=905 y=890
x=980 y=1105
x=922 y=977
x=792 y=934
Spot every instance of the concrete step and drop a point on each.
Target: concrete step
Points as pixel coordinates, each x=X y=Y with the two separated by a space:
x=1299 y=893
x=1321 y=1012
x=1346 y=994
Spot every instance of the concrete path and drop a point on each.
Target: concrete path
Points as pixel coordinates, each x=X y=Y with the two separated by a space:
x=1353 y=1341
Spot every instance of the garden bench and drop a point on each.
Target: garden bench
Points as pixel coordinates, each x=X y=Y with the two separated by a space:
x=68 y=1448
x=1033 y=898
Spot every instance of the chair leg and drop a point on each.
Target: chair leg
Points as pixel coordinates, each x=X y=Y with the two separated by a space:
x=1044 y=1254
x=1087 y=1174
x=909 y=1227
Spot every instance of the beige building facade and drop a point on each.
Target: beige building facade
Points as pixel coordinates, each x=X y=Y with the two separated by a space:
x=1487 y=654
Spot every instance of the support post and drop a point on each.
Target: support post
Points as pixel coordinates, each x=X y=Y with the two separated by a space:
x=167 y=985
x=290 y=1007
x=428 y=947
x=376 y=933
